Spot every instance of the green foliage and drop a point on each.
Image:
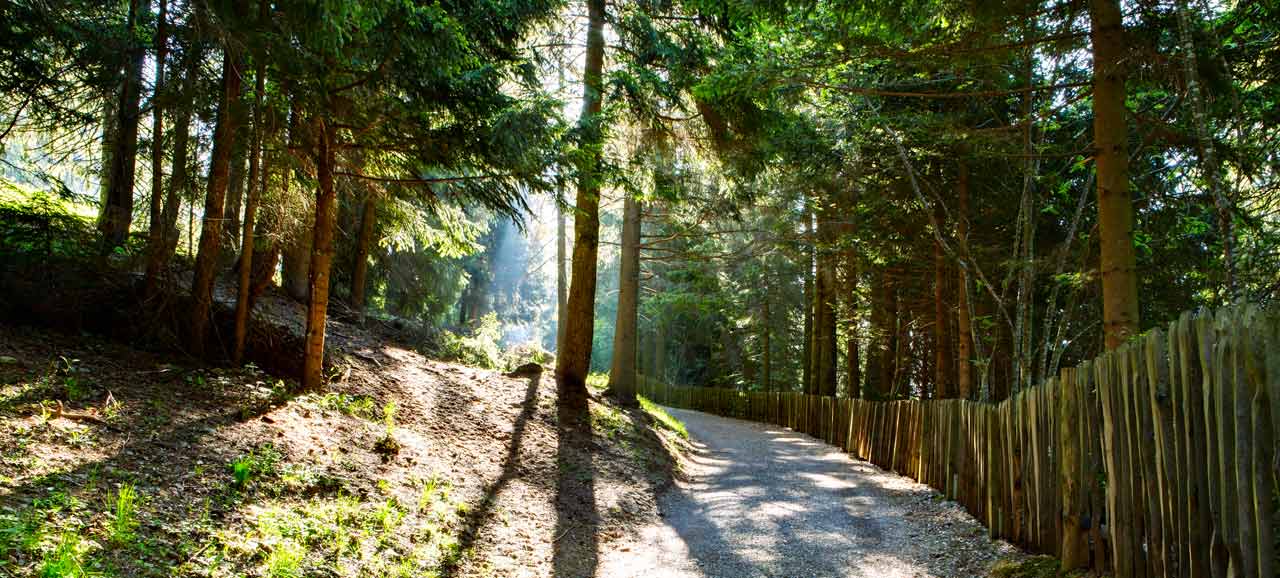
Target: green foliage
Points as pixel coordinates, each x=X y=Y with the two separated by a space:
x=662 y=417
x=598 y=381
x=1031 y=567
x=124 y=516
x=263 y=461
x=66 y=560
x=480 y=348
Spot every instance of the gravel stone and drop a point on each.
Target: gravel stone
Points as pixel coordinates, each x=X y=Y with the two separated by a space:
x=760 y=500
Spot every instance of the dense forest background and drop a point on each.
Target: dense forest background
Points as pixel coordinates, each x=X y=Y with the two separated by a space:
x=930 y=198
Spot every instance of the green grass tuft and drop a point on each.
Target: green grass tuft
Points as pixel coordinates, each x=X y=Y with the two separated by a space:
x=124 y=519
x=663 y=418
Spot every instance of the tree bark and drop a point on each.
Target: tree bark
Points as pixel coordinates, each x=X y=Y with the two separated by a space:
x=117 y=212
x=1208 y=154
x=942 y=321
x=1115 y=207
x=852 y=357
x=224 y=134
x=295 y=273
x=824 y=309
x=360 y=273
x=235 y=191
x=766 y=348
x=562 y=279
x=179 y=186
x=964 y=343
x=573 y=361
x=256 y=188
x=321 y=258
x=806 y=373
x=622 y=377
x=155 y=229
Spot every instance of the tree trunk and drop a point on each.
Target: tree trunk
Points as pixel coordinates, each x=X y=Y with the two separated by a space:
x=824 y=310
x=155 y=228
x=942 y=321
x=360 y=273
x=321 y=258
x=573 y=361
x=964 y=343
x=295 y=273
x=1208 y=155
x=158 y=255
x=117 y=212
x=622 y=377
x=766 y=352
x=660 y=350
x=806 y=373
x=881 y=360
x=562 y=279
x=852 y=357
x=224 y=135
x=256 y=188
x=235 y=191
x=1115 y=207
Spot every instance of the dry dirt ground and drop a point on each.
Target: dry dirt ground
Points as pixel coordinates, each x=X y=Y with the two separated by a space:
x=766 y=501
x=402 y=466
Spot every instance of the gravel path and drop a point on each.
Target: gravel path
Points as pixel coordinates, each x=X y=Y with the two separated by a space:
x=767 y=501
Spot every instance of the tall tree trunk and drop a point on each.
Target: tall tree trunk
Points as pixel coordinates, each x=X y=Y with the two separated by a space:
x=622 y=377
x=161 y=248
x=1204 y=139
x=825 y=313
x=1115 y=207
x=224 y=135
x=256 y=188
x=562 y=279
x=360 y=273
x=807 y=361
x=574 y=358
x=660 y=349
x=117 y=212
x=766 y=348
x=881 y=359
x=964 y=343
x=852 y=357
x=295 y=271
x=235 y=191
x=155 y=228
x=321 y=257
x=942 y=322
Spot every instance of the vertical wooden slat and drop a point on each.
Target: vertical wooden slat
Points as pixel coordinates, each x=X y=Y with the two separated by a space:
x=1264 y=347
x=1241 y=418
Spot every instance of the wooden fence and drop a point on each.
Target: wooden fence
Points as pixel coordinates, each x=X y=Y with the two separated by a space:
x=1155 y=459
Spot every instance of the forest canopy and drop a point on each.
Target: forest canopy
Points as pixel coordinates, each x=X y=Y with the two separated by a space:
x=870 y=199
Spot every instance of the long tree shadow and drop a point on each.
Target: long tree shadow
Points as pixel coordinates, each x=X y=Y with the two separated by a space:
x=577 y=521
x=510 y=470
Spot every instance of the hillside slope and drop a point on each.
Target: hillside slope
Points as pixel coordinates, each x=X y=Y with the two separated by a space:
x=403 y=466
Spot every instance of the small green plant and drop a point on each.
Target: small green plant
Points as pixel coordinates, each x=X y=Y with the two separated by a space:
x=66 y=560
x=285 y=560
x=124 y=518
x=663 y=418
x=124 y=514
x=387 y=446
x=261 y=461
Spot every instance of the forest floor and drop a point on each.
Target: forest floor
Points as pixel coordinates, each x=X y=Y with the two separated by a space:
x=126 y=463
x=766 y=501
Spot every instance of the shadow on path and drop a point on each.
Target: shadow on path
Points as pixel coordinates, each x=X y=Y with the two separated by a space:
x=577 y=521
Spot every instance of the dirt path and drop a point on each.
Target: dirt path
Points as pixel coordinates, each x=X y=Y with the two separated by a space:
x=766 y=501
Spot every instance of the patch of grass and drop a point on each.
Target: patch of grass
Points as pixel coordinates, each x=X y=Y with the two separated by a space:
x=345 y=536
x=598 y=381
x=608 y=420
x=124 y=515
x=259 y=462
x=664 y=419
x=360 y=406
x=1033 y=567
x=66 y=560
